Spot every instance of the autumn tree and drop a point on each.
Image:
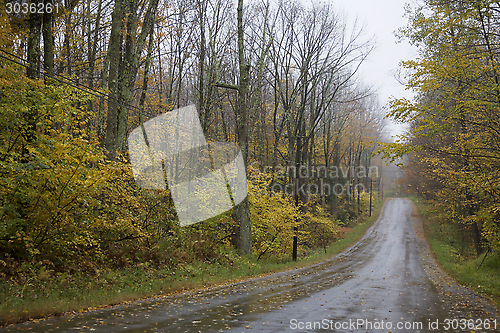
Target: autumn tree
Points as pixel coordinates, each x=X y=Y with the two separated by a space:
x=455 y=121
x=125 y=48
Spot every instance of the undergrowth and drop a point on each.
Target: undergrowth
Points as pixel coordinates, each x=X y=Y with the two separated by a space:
x=455 y=253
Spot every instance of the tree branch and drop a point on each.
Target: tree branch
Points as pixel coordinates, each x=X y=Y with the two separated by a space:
x=227 y=86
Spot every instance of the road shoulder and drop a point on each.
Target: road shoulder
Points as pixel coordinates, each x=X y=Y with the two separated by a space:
x=466 y=304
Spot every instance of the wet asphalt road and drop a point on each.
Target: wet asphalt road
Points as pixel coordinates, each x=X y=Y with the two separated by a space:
x=378 y=285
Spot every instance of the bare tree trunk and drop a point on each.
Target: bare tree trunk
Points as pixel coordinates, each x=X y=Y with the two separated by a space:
x=100 y=115
x=123 y=68
x=48 y=40
x=114 y=55
x=67 y=37
x=201 y=78
x=146 y=77
x=243 y=209
x=92 y=44
x=35 y=24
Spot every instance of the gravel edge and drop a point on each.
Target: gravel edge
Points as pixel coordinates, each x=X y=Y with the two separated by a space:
x=465 y=303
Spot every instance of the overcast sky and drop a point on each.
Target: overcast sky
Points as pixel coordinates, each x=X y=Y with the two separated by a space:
x=380 y=19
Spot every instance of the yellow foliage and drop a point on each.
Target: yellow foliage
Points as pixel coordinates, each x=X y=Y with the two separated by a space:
x=274 y=218
x=61 y=199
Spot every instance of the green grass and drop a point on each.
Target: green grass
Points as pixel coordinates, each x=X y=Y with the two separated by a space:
x=47 y=294
x=395 y=193
x=457 y=257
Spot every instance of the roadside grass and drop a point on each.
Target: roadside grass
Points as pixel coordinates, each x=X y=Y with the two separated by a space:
x=395 y=193
x=392 y=193
x=457 y=257
x=48 y=294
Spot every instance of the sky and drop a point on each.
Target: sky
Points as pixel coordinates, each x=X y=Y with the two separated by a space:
x=380 y=19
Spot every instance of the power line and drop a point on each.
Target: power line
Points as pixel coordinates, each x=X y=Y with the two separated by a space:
x=294 y=163
x=72 y=83
x=75 y=84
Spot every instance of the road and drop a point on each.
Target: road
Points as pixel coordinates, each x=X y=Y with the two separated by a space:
x=384 y=283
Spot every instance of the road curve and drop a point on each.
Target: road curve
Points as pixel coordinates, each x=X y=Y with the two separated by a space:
x=380 y=284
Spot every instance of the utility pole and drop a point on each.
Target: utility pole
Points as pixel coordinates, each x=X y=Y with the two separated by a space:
x=296 y=192
x=371 y=191
x=241 y=212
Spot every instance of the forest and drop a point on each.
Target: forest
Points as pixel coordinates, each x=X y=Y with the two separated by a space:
x=279 y=79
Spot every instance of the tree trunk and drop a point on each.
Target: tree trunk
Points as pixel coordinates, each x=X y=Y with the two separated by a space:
x=146 y=77
x=243 y=209
x=100 y=114
x=48 y=41
x=92 y=44
x=114 y=56
x=67 y=37
x=123 y=68
x=35 y=23
x=201 y=80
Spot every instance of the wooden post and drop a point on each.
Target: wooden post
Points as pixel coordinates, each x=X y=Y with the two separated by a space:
x=371 y=190
x=382 y=188
x=297 y=185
